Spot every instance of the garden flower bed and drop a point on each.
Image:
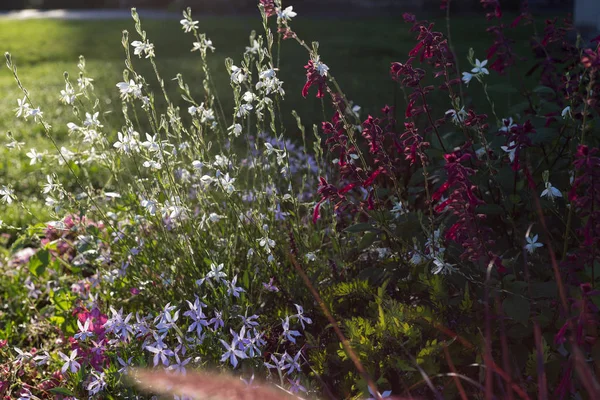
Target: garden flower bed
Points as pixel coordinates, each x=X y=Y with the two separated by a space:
x=417 y=251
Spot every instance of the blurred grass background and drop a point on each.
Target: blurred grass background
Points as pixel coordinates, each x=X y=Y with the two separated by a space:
x=358 y=51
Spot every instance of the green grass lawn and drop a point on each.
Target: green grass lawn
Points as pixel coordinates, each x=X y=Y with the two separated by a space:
x=358 y=52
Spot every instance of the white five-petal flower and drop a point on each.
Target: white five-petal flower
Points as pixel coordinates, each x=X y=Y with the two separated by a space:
x=479 y=67
x=532 y=243
x=70 y=363
x=551 y=192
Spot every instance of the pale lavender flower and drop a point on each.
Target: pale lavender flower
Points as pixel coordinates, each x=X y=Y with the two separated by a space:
x=21 y=355
x=166 y=320
x=231 y=352
x=42 y=358
x=179 y=366
x=383 y=395
x=124 y=365
x=118 y=325
x=277 y=364
x=296 y=386
x=160 y=354
x=270 y=286
x=233 y=290
x=532 y=243
x=197 y=316
x=217 y=321
x=301 y=316
x=287 y=333
x=84 y=330
x=249 y=321
x=70 y=363
x=551 y=192
x=97 y=384
x=291 y=364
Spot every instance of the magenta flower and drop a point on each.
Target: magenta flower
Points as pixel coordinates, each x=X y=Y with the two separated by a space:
x=316 y=74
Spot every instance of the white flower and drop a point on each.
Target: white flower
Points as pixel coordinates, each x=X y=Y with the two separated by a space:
x=227 y=183
x=480 y=152
x=442 y=267
x=127 y=142
x=15 y=145
x=143 y=47
x=244 y=110
x=416 y=258
x=254 y=49
x=267 y=243
x=398 y=209
x=35 y=156
x=84 y=330
x=70 y=363
x=67 y=96
x=216 y=272
x=23 y=108
x=151 y=144
x=203 y=45
x=84 y=82
x=149 y=205
x=65 y=155
x=507 y=124
x=35 y=113
x=532 y=243
x=97 y=383
x=511 y=149
x=467 y=77
x=42 y=359
x=566 y=112
x=152 y=164
x=21 y=355
x=551 y=192
x=286 y=14
x=7 y=193
x=457 y=116
x=237 y=74
x=321 y=68
x=130 y=88
x=91 y=120
x=248 y=97
x=188 y=25
x=236 y=129
x=479 y=67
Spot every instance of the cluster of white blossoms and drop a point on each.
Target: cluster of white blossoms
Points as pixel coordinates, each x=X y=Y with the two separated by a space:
x=25 y=110
x=478 y=71
x=143 y=48
x=434 y=252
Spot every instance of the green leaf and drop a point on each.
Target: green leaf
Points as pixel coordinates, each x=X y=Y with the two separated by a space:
x=518 y=108
x=543 y=90
x=360 y=227
x=38 y=262
x=517 y=308
x=62 y=391
x=500 y=88
x=367 y=240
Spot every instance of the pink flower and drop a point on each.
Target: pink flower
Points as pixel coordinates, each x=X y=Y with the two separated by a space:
x=315 y=75
x=269 y=6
